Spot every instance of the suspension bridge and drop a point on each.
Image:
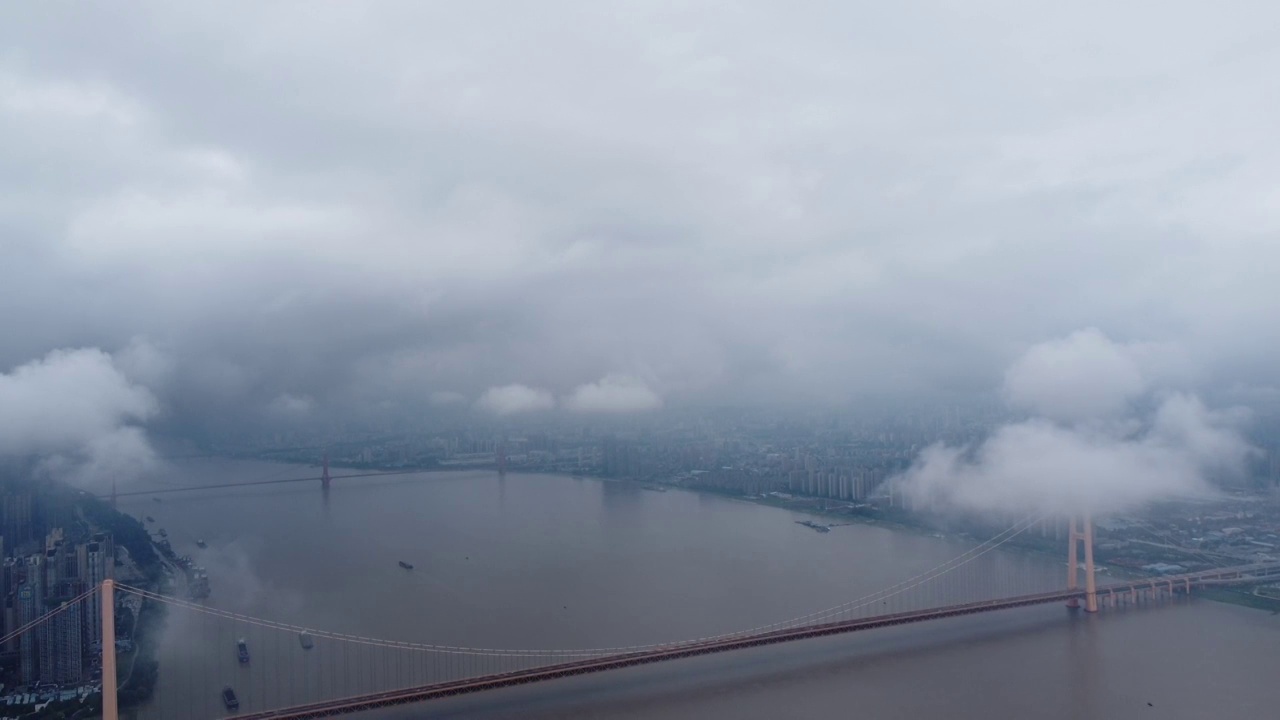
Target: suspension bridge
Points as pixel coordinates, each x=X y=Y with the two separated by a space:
x=324 y=478
x=251 y=668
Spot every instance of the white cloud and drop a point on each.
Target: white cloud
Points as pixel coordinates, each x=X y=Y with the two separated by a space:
x=1038 y=465
x=291 y=407
x=120 y=455
x=65 y=400
x=144 y=363
x=613 y=394
x=77 y=410
x=1090 y=449
x=1082 y=376
x=514 y=399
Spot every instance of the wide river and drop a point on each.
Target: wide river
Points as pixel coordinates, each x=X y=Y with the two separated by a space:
x=544 y=561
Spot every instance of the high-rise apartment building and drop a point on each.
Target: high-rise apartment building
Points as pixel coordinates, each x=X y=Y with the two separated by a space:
x=62 y=640
x=96 y=562
x=49 y=587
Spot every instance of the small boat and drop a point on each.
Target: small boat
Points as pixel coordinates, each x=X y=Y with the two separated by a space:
x=150 y=519
x=229 y=698
x=306 y=640
x=405 y=565
x=242 y=650
x=156 y=499
x=201 y=544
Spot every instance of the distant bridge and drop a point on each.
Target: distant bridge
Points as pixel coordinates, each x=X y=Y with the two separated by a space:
x=253 y=483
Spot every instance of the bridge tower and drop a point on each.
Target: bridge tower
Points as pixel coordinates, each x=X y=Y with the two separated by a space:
x=324 y=478
x=110 y=709
x=113 y=493
x=1081 y=531
x=502 y=458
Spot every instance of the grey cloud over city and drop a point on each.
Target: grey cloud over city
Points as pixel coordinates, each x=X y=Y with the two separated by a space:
x=267 y=212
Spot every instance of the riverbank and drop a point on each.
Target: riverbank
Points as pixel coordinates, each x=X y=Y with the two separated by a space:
x=897 y=521
x=74 y=518
x=1242 y=596
x=139 y=622
x=1025 y=543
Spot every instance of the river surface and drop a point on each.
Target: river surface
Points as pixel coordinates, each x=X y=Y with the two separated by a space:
x=542 y=561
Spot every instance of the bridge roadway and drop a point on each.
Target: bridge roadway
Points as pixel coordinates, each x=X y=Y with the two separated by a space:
x=1258 y=572
x=584 y=667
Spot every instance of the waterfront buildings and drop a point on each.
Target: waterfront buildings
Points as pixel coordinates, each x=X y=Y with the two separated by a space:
x=51 y=584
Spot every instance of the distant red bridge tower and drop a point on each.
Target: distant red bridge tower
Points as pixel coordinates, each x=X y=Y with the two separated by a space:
x=502 y=458
x=324 y=478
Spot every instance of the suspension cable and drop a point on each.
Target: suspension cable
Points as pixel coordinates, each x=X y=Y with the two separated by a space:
x=891 y=591
x=48 y=616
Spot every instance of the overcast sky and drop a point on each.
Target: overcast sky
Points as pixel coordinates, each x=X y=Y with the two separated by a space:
x=276 y=208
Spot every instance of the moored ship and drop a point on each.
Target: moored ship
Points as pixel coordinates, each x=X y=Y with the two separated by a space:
x=198 y=584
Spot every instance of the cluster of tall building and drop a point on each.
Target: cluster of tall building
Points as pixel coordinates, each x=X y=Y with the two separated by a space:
x=843 y=478
x=835 y=483
x=53 y=583
x=619 y=458
x=848 y=471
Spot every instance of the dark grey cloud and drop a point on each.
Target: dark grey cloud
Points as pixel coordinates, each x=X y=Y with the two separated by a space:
x=309 y=207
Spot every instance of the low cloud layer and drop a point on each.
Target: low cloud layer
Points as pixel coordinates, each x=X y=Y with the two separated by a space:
x=288 y=407
x=613 y=394
x=515 y=399
x=1092 y=447
x=80 y=413
x=1076 y=378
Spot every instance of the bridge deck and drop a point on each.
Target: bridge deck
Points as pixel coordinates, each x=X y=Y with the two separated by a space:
x=583 y=667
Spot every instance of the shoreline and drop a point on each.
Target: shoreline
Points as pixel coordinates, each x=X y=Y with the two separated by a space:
x=893 y=522
x=1243 y=597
